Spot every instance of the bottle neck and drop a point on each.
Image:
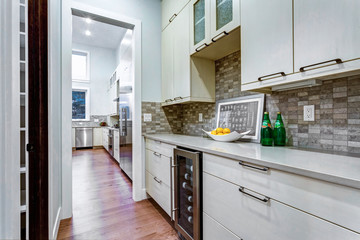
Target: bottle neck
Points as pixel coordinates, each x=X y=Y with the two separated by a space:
x=266 y=117
x=279 y=117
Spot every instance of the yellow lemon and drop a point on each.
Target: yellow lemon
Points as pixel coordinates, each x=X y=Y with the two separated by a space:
x=226 y=130
x=220 y=134
x=213 y=132
x=219 y=130
x=226 y=133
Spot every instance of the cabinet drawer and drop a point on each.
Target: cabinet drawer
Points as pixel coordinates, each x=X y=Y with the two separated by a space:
x=160 y=192
x=160 y=147
x=250 y=218
x=333 y=202
x=158 y=165
x=212 y=230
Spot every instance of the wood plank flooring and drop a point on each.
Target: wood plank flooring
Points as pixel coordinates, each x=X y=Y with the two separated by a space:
x=103 y=207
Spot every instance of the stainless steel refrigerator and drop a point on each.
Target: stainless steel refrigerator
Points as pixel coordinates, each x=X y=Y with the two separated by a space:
x=125 y=131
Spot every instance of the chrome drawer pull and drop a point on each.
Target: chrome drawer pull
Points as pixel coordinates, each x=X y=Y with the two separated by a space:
x=157 y=180
x=173 y=17
x=264 y=169
x=337 y=60
x=265 y=199
x=169 y=100
x=261 y=78
x=201 y=47
x=157 y=154
x=220 y=35
x=177 y=98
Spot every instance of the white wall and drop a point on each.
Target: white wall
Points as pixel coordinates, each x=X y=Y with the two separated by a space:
x=149 y=12
x=55 y=117
x=102 y=65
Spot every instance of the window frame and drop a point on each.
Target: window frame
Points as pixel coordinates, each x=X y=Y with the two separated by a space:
x=87 y=102
x=87 y=53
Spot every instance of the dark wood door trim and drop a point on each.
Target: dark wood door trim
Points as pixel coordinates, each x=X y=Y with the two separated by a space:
x=38 y=208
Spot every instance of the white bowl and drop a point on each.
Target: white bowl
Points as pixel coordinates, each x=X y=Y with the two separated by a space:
x=233 y=136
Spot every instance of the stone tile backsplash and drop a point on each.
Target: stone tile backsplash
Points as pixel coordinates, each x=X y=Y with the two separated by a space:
x=91 y=123
x=337 y=110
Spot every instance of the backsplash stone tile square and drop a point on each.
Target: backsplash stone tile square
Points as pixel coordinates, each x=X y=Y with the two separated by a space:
x=337 y=110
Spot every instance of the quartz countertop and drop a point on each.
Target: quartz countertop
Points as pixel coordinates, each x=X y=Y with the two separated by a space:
x=331 y=167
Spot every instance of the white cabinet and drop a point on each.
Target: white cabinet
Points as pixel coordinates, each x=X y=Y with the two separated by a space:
x=212 y=230
x=184 y=79
x=325 y=30
x=159 y=183
x=170 y=9
x=97 y=137
x=296 y=42
x=117 y=145
x=105 y=137
x=266 y=39
x=211 y=20
x=113 y=94
x=251 y=215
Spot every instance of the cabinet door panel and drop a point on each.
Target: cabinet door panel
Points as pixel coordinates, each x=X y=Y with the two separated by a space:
x=200 y=24
x=225 y=16
x=325 y=30
x=181 y=65
x=169 y=8
x=212 y=230
x=266 y=38
x=252 y=219
x=167 y=54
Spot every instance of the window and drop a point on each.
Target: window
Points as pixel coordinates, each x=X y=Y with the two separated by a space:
x=80 y=104
x=80 y=66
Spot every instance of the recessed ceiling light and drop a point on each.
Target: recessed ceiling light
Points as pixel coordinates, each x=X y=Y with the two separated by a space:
x=88 y=20
x=87 y=33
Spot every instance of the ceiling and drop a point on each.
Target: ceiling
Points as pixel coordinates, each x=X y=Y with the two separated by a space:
x=102 y=34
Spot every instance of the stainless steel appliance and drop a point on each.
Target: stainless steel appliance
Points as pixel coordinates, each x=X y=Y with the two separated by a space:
x=188 y=198
x=125 y=133
x=111 y=142
x=83 y=137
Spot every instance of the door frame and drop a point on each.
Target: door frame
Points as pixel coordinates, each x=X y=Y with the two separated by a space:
x=139 y=192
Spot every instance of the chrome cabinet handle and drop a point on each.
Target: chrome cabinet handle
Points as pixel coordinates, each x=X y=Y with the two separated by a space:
x=177 y=98
x=172 y=17
x=157 y=180
x=169 y=100
x=264 y=169
x=337 y=60
x=157 y=154
x=265 y=199
x=220 y=35
x=274 y=74
x=201 y=47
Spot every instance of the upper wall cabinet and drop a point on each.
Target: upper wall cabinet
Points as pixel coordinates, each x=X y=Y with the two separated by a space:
x=266 y=40
x=184 y=78
x=321 y=42
x=170 y=9
x=326 y=30
x=210 y=21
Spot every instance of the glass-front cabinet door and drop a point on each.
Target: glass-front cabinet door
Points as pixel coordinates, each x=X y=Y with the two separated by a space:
x=225 y=17
x=200 y=25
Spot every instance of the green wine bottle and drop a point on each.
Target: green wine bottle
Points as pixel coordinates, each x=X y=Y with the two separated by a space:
x=279 y=131
x=266 y=131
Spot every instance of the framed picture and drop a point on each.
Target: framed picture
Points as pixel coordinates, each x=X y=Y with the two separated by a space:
x=241 y=114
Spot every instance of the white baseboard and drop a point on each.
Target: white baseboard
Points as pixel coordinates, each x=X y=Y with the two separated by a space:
x=56 y=224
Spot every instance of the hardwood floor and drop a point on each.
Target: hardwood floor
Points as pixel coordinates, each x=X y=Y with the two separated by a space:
x=103 y=207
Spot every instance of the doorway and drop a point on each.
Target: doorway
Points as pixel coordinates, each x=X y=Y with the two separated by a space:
x=124 y=100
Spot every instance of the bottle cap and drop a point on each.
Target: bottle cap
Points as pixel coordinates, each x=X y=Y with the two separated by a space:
x=278 y=112
x=266 y=113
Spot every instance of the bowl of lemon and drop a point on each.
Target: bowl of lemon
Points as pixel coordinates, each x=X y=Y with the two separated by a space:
x=225 y=135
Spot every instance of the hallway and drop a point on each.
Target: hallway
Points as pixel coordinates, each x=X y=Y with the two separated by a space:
x=103 y=207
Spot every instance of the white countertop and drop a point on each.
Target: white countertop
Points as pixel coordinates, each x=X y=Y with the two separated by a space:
x=330 y=167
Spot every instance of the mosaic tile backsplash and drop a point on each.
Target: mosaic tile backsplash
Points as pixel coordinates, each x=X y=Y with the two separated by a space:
x=337 y=110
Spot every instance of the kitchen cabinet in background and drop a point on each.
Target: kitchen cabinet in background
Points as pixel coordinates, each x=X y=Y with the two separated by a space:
x=97 y=137
x=116 y=145
x=184 y=78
